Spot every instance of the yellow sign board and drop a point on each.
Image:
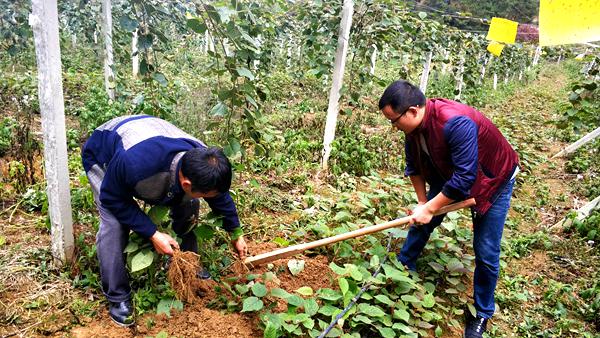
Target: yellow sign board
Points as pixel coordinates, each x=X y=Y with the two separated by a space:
x=502 y=30
x=569 y=21
x=495 y=48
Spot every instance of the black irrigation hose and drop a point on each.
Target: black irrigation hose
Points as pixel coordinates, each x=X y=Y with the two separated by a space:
x=362 y=290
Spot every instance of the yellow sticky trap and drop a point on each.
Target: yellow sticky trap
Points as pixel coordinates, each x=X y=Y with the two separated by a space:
x=502 y=30
x=495 y=48
x=569 y=21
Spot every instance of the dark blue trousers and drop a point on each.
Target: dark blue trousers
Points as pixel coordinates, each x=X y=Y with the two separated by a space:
x=487 y=234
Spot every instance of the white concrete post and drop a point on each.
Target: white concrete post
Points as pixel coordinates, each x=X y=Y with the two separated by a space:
x=485 y=62
x=536 y=56
x=44 y=22
x=109 y=75
x=135 y=58
x=495 y=81
x=425 y=75
x=373 y=60
x=337 y=80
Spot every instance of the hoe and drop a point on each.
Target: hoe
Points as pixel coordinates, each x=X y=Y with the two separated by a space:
x=295 y=249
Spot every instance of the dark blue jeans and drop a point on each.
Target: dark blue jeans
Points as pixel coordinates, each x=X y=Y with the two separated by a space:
x=487 y=234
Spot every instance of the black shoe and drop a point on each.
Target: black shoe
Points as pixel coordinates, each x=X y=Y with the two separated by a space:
x=121 y=313
x=475 y=326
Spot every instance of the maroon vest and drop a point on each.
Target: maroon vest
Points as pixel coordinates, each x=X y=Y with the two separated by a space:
x=497 y=159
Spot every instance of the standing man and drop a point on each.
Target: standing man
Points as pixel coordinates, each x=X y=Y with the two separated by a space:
x=149 y=159
x=460 y=154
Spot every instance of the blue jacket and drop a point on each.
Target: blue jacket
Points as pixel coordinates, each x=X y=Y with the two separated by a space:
x=139 y=156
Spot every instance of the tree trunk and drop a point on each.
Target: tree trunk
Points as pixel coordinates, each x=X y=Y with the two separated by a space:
x=44 y=22
x=337 y=80
x=109 y=75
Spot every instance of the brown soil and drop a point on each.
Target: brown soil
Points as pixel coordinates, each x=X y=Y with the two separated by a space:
x=196 y=320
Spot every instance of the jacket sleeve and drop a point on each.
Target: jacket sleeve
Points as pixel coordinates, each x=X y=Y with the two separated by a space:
x=223 y=205
x=461 y=136
x=411 y=169
x=116 y=194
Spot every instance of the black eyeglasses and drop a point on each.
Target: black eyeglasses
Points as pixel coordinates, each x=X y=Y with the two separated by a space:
x=397 y=118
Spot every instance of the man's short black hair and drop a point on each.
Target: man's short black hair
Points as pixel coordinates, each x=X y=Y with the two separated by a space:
x=208 y=169
x=401 y=95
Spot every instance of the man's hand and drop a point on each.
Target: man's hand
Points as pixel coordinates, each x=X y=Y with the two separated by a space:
x=241 y=247
x=421 y=214
x=163 y=243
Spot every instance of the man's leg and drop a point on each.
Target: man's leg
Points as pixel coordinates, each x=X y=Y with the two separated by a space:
x=486 y=243
x=111 y=240
x=184 y=218
x=418 y=235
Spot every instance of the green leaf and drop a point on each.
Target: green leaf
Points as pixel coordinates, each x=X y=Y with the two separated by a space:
x=343 y=216
x=220 y=109
x=396 y=275
x=386 y=332
x=145 y=41
x=329 y=294
x=270 y=331
x=410 y=298
x=428 y=301
x=472 y=310
x=296 y=266
x=241 y=288
x=454 y=265
x=422 y=15
x=438 y=331
x=252 y=304
x=162 y=334
x=245 y=73
x=131 y=246
x=204 y=232
x=196 y=25
x=354 y=272
x=166 y=304
x=305 y=291
x=374 y=262
x=280 y=293
x=402 y=327
x=158 y=214
x=128 y=23
x=401 y=313
x=361 y=318
x=142 y=260
x=311 y=307
x=384 y=299
x=370 y=310
x=295 y=301
x=329 y=310
x=259 y=290
x=343 y=285
x=160 y=78
x=337 y=269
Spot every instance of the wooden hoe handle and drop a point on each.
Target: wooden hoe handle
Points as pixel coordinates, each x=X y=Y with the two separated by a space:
x=295 y=249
